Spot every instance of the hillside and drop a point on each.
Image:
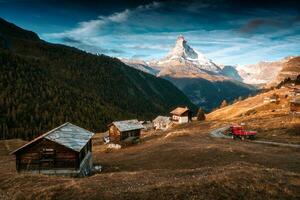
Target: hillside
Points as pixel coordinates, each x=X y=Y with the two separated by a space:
x=184 y=162
x=43 y=85
x=181 y=163
x=209 y=94
x=273 y=121
x=290 y=69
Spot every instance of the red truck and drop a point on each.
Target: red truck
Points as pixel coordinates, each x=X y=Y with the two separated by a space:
x=238 y=132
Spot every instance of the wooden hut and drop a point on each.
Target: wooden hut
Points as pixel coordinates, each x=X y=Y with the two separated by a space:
x=295 y=105
x=65 y=150
x=181 y=115
x=274 y=98
x=125 y=131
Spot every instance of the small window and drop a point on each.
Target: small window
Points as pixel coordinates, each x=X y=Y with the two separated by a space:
x=48 y=154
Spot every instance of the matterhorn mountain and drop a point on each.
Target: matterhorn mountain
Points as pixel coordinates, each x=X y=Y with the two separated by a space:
x=183 y=60
x=204 y=82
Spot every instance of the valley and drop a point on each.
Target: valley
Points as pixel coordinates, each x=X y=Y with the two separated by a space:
x=149 y=100
x=184 y=162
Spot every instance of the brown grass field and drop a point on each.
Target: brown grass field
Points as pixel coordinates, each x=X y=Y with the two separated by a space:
x=182 y=163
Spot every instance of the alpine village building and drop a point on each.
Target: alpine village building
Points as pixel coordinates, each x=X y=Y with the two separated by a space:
x=162 y=123
x=295 y=105
x=181 y=115
x=128 y=131
x=65 y=150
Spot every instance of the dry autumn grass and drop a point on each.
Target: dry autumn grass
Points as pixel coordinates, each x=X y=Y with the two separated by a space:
x=182 y=163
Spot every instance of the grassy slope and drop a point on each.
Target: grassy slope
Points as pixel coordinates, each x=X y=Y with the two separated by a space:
x=272 y=121
x=183 y=163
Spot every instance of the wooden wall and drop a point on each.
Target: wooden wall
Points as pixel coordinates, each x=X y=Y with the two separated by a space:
x=116 y=136
x=30 y=158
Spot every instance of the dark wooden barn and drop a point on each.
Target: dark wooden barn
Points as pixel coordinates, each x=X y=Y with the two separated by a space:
x=125 y=131
x=65 y=150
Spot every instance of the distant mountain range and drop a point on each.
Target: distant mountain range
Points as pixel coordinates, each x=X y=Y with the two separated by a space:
x=43 y=85
x=203 y=81
x=267 y=74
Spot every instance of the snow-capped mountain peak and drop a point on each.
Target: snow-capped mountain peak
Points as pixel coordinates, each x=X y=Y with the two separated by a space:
x=183 y=58
x=182 y=50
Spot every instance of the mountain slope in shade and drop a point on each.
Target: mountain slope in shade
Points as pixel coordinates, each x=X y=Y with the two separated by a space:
x=290 y=69
x=43 y=85
x=232 y=72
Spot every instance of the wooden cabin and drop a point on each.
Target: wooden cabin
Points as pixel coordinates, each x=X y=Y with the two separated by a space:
x=65 y=150
x=274 y=98
x=162 y=123
x=294 y=91
x=181 y=115
x=124 y=131
x=295 y=105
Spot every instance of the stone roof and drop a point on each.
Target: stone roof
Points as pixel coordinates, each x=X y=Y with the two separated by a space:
x=68 y=135
x=128 y=125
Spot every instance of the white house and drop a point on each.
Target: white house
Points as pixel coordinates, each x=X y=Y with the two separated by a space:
x=181 y=115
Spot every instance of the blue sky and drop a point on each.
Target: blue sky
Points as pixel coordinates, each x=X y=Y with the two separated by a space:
x=229 y=32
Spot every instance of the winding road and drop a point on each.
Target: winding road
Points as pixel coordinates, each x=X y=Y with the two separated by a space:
x=218 y=133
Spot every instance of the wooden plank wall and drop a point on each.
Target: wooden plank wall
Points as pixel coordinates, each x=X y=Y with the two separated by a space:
x=29 y=157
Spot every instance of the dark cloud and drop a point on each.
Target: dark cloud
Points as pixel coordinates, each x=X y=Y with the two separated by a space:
x=255 y=24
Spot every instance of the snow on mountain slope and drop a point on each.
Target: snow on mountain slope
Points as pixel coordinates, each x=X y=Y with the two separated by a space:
x=184 y=61
x=262 y=72
x=140 y=65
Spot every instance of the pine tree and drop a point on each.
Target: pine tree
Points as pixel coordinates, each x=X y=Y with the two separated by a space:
x=223 y=104
x=200 y=115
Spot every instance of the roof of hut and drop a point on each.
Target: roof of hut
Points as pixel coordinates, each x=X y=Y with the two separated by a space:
x=68 y=135
x=128 y=125
x=179 y=110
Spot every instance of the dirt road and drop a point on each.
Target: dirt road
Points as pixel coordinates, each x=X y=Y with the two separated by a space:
x=219 y=133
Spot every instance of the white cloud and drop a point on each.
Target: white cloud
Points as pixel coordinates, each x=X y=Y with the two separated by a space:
x=93 y=27
x=117 y=17
x=139 y=31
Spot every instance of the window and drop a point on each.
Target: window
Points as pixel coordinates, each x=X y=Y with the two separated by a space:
x=47 y=154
